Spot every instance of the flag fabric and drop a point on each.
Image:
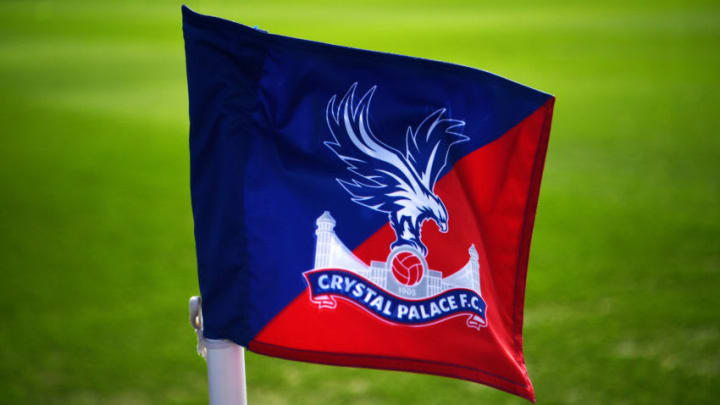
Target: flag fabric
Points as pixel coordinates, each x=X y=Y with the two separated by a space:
x=360 y=208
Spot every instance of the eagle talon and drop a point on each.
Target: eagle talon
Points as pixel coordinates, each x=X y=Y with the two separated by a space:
x=415 y=244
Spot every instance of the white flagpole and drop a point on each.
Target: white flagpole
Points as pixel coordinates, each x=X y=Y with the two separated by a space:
x=225 y=363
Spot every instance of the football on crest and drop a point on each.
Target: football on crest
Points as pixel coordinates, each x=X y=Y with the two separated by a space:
x=407 y=268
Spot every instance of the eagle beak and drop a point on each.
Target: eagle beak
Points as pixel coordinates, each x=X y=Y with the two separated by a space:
x=443 y=227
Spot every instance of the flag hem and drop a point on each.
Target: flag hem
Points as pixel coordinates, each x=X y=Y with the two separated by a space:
x=278 y=39
x=394 y=364
x=527 y=230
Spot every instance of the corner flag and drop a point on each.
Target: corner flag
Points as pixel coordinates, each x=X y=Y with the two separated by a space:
x=359 y=208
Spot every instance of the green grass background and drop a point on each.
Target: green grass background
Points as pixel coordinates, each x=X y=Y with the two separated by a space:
x=96 y=242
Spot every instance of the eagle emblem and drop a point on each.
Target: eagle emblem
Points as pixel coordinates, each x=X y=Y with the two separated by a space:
x=387 y=180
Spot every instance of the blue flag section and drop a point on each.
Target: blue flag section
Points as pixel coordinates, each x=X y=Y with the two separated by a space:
x=361 y=208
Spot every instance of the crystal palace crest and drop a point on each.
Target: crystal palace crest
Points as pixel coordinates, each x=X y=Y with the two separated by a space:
x=402 y=290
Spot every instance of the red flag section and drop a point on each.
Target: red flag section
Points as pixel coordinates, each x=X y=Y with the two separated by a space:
x=491 y=197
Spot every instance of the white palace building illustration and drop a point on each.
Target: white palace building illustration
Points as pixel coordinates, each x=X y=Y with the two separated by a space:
x=330 y=252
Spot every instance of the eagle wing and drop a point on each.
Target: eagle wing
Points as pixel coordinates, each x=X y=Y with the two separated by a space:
x=428 y=146
x=381 y=177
